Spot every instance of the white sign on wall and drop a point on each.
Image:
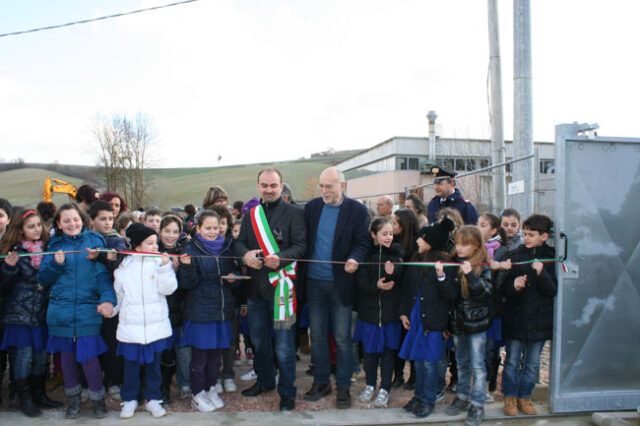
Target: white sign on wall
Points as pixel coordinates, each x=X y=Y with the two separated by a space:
x=516 y=188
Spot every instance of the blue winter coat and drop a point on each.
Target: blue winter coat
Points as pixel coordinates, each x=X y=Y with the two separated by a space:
x=77 y=286
x=208 y=297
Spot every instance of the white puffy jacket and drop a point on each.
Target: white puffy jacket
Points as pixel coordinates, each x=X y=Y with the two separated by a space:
x=141 y=284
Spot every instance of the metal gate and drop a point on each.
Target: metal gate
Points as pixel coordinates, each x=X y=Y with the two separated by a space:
x=596 y=346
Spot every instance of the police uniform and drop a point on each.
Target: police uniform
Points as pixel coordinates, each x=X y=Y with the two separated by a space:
x=455 y=200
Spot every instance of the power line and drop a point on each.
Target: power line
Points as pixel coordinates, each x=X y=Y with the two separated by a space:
x=101 y=18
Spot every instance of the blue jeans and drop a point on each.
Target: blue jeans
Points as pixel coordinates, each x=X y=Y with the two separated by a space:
x=355 y=345
x=261 y=328
x=131 y=381
x=521 y=368
x=443 y=364
x=26 y=361
x=324 y=306
x=427 y=381
x=470 y=351
x=183 y=360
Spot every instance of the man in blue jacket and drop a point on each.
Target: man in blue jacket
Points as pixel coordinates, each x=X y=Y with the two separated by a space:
x=337 y=231
x=447 y=195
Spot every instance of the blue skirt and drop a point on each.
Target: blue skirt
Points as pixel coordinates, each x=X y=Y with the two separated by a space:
x=375 y=338
x=143 y=354
x=85 y=347
x=495 y=330
x=207 y=335
x=23 y=336
x=417 y=345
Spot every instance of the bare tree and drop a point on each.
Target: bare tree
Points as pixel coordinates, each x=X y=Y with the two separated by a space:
x=123 y=148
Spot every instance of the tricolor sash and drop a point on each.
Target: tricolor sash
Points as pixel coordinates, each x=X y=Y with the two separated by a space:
x=284 y=301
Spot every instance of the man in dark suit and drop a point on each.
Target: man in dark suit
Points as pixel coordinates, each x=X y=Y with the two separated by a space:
x=337 y=231
x=286 y=223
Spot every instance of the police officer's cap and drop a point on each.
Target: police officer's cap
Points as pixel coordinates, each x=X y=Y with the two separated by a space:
x=440 y=174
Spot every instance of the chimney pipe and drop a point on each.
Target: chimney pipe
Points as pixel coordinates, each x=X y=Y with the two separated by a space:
x=431 y=116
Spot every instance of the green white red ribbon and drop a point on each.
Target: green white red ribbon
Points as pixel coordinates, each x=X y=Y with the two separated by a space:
x=284 y=301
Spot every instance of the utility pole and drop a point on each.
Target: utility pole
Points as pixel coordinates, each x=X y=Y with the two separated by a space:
x=498 y=193
x=522 y=107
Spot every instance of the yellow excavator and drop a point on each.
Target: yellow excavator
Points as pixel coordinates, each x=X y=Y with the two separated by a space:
x=51 y=186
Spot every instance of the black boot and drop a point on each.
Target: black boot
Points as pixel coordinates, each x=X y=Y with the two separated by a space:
x=99 y=408
x=167 y=375
x=39 y=395
x=73 y=409
x=27 y=406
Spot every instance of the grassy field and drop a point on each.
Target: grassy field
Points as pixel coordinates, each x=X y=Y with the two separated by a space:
x=23 y=187
x=175 y=187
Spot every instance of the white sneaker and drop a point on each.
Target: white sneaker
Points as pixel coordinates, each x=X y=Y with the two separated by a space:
x=128 y=409
x=114 y=392
x=229 y=385
x=366 y=394
x=219 y=388
x=153 y=406
x=249 y=376
x=202 y=403
x=382 y=399
x=214 y=398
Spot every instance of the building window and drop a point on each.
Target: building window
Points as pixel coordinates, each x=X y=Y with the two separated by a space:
x=402 y=163
x=471 y=164
x=483 y=162
x=507 y=167
x=459 y=165
x=414 y=163
x=547 y=167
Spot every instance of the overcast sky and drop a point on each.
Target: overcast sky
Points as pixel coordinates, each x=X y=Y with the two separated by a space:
x=263 y=80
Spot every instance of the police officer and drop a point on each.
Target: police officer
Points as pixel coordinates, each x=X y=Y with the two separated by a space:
x=447 y=195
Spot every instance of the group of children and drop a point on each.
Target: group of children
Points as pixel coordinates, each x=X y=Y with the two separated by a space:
x=466 y=287
x=135 y=317
x=115 y=307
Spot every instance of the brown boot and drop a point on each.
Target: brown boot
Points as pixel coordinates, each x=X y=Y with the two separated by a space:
x=510 y=408
x=526 y=406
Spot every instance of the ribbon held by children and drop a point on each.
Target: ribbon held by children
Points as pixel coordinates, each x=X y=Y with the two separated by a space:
x=284 y=301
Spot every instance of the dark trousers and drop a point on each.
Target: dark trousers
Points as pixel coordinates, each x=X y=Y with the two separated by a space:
x=132 y=380
x=205 y=364
x=228 y=355
x=386 y=361
x=110 y=362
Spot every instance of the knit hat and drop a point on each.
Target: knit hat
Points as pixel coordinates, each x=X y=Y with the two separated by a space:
x=437 y=234
x=137 y=233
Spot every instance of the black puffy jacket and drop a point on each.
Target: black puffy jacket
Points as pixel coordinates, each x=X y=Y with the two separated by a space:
x=25 y=301
x=175 y=301
x=470 y=315
x=528 y=313
x=208 y=297
x=435 y=296
x=374 y=305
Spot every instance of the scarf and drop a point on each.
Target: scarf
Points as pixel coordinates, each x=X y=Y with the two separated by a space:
x=492 y=245
x=212 y=247
x=34 y=247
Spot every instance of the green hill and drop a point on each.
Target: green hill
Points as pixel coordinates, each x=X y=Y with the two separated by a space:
x=175 y=187
x=23 y=187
